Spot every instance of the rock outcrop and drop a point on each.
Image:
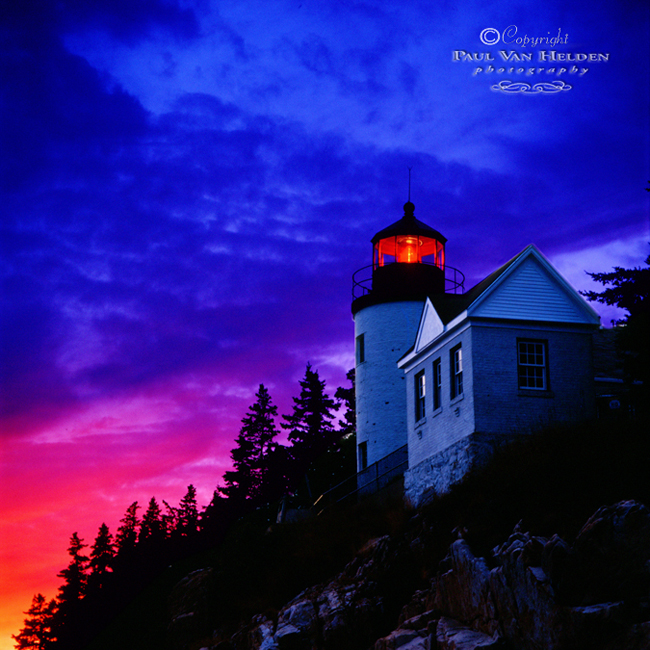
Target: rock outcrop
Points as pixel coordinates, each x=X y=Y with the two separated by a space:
x=533 y=593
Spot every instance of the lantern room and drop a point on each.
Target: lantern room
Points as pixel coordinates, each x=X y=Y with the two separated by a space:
x=408 y=258
x=408 y=241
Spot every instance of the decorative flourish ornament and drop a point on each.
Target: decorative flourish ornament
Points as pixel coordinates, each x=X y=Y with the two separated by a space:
x=523 y=87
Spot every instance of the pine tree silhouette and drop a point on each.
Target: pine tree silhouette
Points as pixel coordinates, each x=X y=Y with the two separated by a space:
x=37 y=633
x=102 y=556
x=250 y=457
x=68 y=621
x=310 y=426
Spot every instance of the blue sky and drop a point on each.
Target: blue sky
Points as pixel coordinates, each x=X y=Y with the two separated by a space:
x=187 y=188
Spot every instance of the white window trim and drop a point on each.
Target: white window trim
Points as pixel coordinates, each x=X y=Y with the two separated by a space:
x=539 y=344
x=420 y=395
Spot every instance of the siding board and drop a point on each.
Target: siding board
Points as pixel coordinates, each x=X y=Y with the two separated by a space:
x=530 y=293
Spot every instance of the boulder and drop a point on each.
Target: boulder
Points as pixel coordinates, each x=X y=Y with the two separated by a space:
x=402 y=639
x=452 y=635
x=463 y=592
x=559 y=564
x=420 y=603
x=524 y=598
x=613 y=553
x=190 y=614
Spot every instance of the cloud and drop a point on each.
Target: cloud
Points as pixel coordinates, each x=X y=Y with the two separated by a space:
x=127 y=21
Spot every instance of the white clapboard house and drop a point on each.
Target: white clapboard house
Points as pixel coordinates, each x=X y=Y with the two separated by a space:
x=444 y=377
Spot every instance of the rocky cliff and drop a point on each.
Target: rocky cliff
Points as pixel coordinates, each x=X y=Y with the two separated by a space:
x=531 y=593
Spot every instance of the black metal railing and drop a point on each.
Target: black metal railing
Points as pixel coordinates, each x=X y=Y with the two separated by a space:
x=362 y=280
x=366 y=482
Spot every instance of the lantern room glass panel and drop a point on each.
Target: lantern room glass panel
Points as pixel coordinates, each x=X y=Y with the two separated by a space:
x=409 y=249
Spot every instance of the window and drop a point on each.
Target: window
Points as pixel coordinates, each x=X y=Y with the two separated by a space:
x=363 y=456
x=456 y=371
x=420 y=392
x=532 y=370
x=437 y=383
x=361 y=349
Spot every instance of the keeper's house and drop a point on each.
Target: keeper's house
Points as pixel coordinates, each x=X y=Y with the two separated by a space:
x=444 y=377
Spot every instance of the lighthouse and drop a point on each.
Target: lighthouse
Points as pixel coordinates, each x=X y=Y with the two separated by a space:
x=408 y=265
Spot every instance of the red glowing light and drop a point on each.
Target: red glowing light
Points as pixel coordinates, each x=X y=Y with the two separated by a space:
x=408 y=249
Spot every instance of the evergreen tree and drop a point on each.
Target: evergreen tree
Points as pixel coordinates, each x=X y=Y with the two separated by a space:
x=75 y=575
x=37 y=633
x=251 y=455
x=310 y=426
x=343 y=462
x=188 y=512
x=629 y=289
x=127 y=533
x=170 y=518
x=102 y=556
x=152 y=527
x=346 y=398
x=280 y=473
x=67 y=626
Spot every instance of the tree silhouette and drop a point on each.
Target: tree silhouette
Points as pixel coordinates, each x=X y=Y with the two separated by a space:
x=629 y=289
x=102 y=556
x=152 y=527
x=263 y=471
x=346 y=397
x=75 y=575
x=188 y=513
x=310 y=426
x=127 y=537
x=37 y=633
x=67 y=625
x=127 y=533
x=170 y=518
x=250 y=457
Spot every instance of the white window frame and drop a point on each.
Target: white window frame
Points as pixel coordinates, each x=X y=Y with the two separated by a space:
x=437 y=384
x=532 y=364
x=361 y=348
x=363 y=455
x=456 y=370
x=420 y=395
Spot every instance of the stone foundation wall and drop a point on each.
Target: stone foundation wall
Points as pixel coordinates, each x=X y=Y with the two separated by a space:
x=435 y=475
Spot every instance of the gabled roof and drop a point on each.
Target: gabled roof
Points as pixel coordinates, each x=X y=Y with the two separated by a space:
x=526 y=288
x=530 y=288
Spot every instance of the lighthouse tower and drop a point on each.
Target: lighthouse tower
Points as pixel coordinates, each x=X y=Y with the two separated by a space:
x=408 y=264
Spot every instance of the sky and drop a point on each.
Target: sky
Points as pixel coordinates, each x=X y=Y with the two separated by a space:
x=187 y=186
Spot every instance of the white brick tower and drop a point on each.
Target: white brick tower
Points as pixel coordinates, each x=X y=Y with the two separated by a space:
x=408 y=265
